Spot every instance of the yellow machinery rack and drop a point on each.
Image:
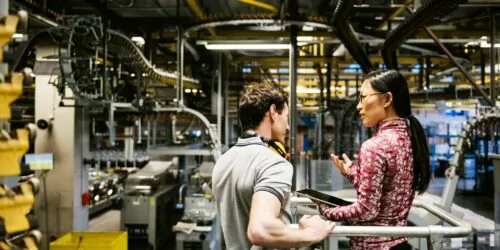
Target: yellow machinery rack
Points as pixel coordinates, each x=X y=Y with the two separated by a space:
x=9 y=93
x=7 y=30
x=14 y=209
x=11 y=151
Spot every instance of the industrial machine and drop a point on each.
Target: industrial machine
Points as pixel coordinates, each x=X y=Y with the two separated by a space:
x=200 y=212
x=105 y=190
x=149 y=201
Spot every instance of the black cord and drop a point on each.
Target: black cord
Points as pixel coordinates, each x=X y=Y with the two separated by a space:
x=46 y=204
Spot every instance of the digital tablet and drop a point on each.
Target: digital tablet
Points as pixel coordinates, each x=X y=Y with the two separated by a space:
x=323 y=198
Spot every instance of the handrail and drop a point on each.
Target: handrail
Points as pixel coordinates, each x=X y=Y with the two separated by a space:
x=458 y=227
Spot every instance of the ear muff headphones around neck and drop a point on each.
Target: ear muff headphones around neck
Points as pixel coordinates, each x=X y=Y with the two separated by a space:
x=275 y=146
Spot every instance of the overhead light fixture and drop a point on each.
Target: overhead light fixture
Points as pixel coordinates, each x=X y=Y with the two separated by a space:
x=17 y=36
x=305 y=38
x=276 y=46
x=488 y=45
x=138 y=40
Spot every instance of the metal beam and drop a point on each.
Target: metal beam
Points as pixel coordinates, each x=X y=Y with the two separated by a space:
x=420 y=18
x=456 y=63
x=199 y=12
x=261 y=5
x=396 y=13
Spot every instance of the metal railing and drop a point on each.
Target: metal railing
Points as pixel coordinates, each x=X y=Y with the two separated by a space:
x=433 y=233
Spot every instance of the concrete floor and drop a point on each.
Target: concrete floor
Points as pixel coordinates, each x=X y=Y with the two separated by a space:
x=479 y=203
x=106 y=221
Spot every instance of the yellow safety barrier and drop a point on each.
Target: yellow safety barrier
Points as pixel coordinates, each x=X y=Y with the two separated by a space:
x=13 y=208
x=11 y=151
x=91 y=241
x=6 y=31
x=9 y=93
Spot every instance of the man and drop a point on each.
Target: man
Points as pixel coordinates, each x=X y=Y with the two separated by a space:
x=252 y=184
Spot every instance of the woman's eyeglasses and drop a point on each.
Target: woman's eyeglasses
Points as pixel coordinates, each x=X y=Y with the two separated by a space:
x=361 y=98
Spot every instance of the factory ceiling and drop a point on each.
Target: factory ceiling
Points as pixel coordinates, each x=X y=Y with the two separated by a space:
x=462 y=29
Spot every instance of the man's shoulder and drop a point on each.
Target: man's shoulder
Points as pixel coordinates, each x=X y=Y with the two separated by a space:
x=257 y=155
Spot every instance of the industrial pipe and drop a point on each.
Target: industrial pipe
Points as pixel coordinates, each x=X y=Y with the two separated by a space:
x=214 y=138
x=346 y=34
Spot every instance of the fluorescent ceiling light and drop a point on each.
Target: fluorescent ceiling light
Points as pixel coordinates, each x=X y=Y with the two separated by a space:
x=277 y=46
x=299 y=70
x=307 y=28
x=305 y=90
x=304 y=38
x=488 y=45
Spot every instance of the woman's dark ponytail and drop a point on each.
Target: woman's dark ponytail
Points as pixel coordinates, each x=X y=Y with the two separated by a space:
x=421 y=164
x=394 y=82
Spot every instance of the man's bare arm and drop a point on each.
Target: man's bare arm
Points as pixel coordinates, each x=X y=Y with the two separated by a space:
x=267 y=230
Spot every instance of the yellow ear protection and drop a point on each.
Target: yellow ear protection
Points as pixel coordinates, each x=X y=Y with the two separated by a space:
x=275 y=146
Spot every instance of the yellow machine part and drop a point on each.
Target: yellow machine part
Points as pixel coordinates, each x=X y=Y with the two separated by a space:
x=11 y=151
x=13 y=209
x=6 y=32
x=5 y=246
x=9 y=93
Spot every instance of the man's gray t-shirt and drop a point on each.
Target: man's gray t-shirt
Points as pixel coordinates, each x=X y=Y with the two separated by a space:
x=248 y=167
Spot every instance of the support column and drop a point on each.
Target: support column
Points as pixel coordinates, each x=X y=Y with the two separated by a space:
x=293 y=61
x=483 y=67
x=227 y=140
x=219 y=97
x=496 y=180
x=421 y=74
x=493 y=33
x=68 y=140
x=180 y=66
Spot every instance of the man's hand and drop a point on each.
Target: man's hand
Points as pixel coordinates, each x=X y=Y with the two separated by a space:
x=343 y=166
x=316 y=226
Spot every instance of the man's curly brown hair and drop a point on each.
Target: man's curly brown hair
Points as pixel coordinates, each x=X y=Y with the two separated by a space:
x=256 y=100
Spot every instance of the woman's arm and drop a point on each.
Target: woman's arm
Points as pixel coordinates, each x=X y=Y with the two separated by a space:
x=346 y=167
x=350 y=173
x=370 y=178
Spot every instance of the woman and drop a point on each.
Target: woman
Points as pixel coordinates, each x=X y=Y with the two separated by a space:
x=392 y=165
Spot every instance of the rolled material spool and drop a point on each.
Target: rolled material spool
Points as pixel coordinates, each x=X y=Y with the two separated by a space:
x=31 y=127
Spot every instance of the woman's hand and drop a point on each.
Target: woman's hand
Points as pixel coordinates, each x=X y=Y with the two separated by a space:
x=343 y=166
